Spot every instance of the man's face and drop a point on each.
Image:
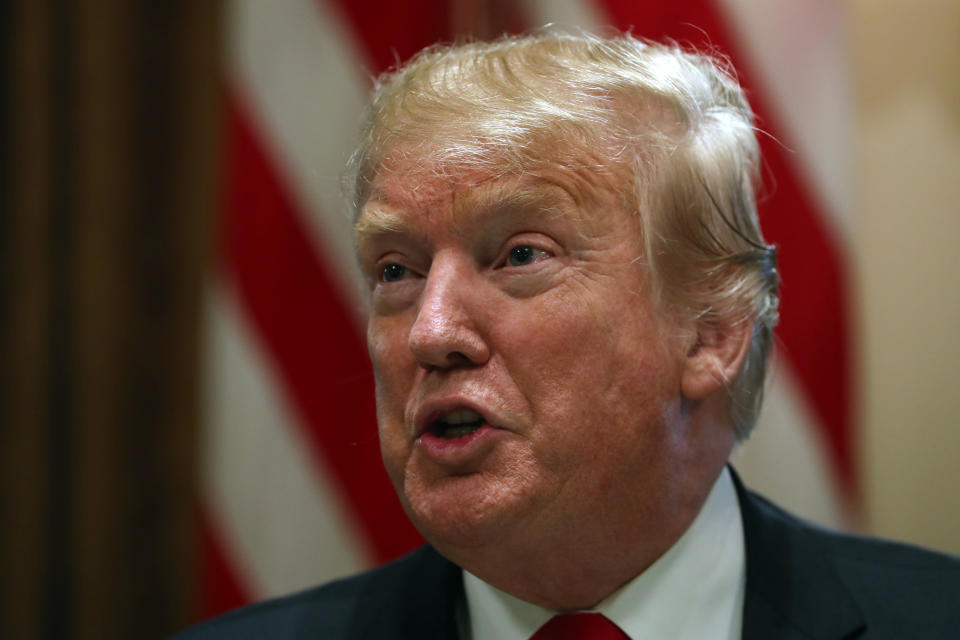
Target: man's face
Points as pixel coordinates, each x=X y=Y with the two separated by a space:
x=527 y=390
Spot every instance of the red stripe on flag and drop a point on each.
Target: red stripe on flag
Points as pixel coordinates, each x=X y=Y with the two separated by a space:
x=814 y=325
x=220 y=588
x=295 y=305
x=390 y=32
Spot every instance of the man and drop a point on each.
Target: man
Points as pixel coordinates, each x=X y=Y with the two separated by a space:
x=571 y=309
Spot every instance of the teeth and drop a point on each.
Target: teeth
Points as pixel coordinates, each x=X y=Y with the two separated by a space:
x=461 y=417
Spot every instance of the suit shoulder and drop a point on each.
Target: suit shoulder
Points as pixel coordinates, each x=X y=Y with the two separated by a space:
x=282 y=617
x=907 y=591
x=865 y=553
x=325 y=611
x=885 y=569
x=875 y=554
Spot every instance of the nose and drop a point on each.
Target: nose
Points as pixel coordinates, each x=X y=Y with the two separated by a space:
x=445 y=333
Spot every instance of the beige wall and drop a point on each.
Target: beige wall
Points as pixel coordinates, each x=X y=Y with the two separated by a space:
x=906 y=63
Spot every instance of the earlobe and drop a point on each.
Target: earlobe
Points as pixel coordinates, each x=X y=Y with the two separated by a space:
x=714 y=358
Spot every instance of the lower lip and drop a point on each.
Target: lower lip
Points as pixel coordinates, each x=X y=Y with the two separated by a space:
x=456 y=451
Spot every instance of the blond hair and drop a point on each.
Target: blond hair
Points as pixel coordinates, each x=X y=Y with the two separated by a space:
x=672 y=125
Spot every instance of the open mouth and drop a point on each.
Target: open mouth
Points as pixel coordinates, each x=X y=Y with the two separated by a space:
x=456 y=424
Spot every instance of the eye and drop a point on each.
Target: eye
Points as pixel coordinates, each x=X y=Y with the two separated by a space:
x=524 y=254
x=521 y=255
x=393 y=272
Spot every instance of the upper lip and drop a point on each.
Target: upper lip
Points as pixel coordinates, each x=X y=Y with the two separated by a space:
x=429 y=411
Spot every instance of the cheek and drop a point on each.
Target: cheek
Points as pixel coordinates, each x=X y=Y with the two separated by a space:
x=592 y=376
x=389 y=354
x=395 y=446
x=392 y=361
x=573 y=346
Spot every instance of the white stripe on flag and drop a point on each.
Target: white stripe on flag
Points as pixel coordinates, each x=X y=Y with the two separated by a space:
x=305 y=89
x=565 y=14
x=284 y=522
x=799 y=50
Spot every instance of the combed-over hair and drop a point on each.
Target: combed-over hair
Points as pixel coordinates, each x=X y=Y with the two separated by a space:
x=672 y=125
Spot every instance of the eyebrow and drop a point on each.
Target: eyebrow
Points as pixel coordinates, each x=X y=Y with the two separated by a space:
x=503 y=199
x=375 y=220
x=379 y=216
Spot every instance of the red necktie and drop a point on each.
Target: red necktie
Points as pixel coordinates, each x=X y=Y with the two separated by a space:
x=579 y=626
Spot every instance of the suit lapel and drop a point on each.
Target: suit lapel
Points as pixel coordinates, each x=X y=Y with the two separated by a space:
x=418 y=601
x=793 y=590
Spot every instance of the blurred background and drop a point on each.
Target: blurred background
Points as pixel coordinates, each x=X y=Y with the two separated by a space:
x=186 y=418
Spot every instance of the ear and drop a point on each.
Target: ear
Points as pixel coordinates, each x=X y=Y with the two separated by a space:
x=715 y=358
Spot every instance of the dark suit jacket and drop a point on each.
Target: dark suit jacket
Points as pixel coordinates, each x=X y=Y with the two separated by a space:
x=802 y=582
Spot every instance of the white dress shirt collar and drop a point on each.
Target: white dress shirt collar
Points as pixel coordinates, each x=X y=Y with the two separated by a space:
x=695 y=590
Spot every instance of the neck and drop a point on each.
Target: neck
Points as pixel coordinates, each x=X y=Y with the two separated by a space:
x=574 y=570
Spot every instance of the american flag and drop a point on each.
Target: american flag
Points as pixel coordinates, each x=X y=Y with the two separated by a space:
x=293 y=491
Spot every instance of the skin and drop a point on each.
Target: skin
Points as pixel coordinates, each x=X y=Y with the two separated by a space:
x=603 y=417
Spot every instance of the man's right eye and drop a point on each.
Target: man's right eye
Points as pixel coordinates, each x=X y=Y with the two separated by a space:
x=393 y=272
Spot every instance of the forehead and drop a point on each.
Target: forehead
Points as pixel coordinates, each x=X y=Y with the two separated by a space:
x=575 y=190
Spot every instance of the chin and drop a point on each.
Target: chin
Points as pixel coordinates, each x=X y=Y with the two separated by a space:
x=461 y=512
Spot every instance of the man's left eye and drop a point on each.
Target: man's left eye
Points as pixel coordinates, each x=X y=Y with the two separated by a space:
x=522 y=254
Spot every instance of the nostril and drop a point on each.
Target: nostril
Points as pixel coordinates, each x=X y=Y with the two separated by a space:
x=453 y=359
